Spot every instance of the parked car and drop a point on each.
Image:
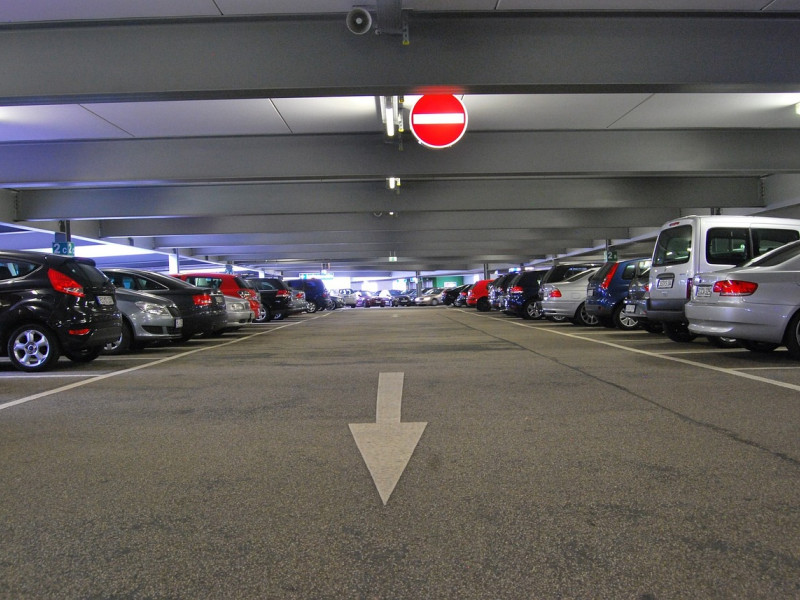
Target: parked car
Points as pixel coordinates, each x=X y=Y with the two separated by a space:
x=522 y=295
x=53 y=305
x=430 y=297
x=392 y=295
x=202 y=309
x=461 y=299
x=636 y=300
x=700 y=244
x=146 y=319
x=276 y=298
x=229 y=285
x=375 y=299
x=239 y=311
x=758 y=303
x=317 y=294
x=450 y=294
x=406 y=298
x=562 y=272
x=478 y=295
x=352 y=298
x=567 y=299
x=607 y=289
x=498 y=289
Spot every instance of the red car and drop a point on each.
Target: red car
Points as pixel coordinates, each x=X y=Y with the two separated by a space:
x=478 y=296
x=230 y=285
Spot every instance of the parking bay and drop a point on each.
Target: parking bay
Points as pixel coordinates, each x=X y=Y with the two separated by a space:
x=556 y=461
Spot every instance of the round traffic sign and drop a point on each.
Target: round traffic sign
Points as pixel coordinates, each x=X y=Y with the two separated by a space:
x=438 y=120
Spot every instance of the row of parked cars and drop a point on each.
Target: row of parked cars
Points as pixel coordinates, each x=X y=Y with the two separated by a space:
x=733 y=279
x=53 y=306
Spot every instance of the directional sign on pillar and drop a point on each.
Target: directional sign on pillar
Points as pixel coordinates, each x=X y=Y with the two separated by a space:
x=438 y=120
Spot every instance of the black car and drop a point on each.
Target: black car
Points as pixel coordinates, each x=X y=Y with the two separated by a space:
x=316 y=293
x=522 y=295
x=202 y=309
x=52 y=305
x=498 y=289
x=450 y=294
x=276 y=297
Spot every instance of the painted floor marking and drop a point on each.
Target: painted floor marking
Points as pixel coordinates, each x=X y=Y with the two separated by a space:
x=663 y=356
x=97 y=378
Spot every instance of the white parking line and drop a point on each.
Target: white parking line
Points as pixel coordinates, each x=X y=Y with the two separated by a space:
x=664 y=356
x=97 y=378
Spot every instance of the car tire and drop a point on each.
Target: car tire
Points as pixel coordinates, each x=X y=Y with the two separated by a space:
x=278 y=316
x=311 y=307
x=483 y=305
x=531 y=310
x=86 y=355
x=722 y=342
x=123 y=345
x=678 y=332
x=583 y=318
x=264 y=315
x=623 y=321
x=760 y=347
x=792 y=339
x=33 y=348
x=434 y=302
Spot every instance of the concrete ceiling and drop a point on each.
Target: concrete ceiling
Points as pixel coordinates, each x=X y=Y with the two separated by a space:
x=250 y=131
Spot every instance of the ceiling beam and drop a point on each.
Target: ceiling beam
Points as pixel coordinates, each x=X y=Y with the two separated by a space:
x=371 y=197
x=748 y=152
x=477 y=53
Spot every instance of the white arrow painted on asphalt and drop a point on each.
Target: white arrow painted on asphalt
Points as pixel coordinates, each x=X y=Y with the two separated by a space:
x=387 y=444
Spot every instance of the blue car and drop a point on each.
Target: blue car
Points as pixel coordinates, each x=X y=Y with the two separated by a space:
x=606 y=291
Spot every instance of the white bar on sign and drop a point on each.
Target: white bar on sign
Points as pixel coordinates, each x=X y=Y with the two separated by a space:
x=439 y=119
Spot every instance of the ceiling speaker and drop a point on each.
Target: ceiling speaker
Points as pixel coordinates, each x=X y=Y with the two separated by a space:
x=359 y=21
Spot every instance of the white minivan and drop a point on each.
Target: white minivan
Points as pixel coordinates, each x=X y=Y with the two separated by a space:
x=694 y=244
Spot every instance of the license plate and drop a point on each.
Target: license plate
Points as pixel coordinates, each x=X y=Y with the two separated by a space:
x=703 y=291
x=664 y=284
x=589 y=293
x=178 y=322
x=105 y=300
x=630 y=308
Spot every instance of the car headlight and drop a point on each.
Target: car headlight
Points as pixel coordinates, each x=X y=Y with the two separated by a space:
x=237 y=306
x=152 y=309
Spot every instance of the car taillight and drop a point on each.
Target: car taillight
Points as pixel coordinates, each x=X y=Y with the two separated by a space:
x=609 y=276
x=282 y=294
x=65 y=284
x=647 y=287
x=202 y=300
x=79 y=331
x=515 y=290
x=735 y=287
x=554 y=293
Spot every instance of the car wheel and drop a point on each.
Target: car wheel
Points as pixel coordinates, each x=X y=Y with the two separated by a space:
x=33 y=348
x=85 y=355
x=311 y=307
x=761 y=347
x=264 y=315
x=722 y=342
x=678 y=332
x=793 y=337
x=623 y=321
x=123 y=344
x=483 y=305
x=531 y=310
x=584 y=318
x=434 y=302
x=278 y=316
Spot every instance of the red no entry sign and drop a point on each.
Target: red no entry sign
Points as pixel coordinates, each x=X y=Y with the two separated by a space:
x=438 y=120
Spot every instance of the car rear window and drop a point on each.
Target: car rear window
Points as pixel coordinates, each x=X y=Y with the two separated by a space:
x=83 y=273
x=673 y=246
x=728 y=245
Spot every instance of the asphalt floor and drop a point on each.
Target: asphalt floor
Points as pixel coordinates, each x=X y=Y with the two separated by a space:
x=554 y=462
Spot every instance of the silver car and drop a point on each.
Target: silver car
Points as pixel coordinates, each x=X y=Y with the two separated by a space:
x=239 y=312
x=757 y=303
x=146 y=319
x=567 y=299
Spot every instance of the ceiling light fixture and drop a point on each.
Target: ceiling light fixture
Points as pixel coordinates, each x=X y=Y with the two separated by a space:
x=393 y=182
